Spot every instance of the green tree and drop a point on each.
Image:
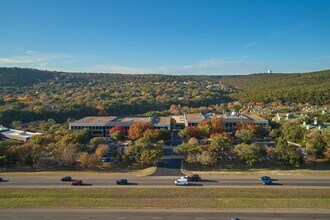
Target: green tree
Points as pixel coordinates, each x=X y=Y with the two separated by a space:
x=293 y=132
x=315 y=144
x=95 y=142
x=189 y=132
x=220 y=143
x=205 y=128
x=185 y=147
x=288 y=154
x=274 y=133
x=150 y=156
x=249 y=152
x=245 y=135
x=117 y=136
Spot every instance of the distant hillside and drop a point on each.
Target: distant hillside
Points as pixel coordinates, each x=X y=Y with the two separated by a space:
x=313 y=87
x=30 y=95
x=23 y=76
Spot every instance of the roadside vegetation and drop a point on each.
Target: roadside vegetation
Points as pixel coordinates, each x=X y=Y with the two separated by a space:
x=165 y=198
x=60 y=148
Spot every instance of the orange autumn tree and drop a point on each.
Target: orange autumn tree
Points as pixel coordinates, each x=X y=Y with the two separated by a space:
x=136 y=130
x=209 y=127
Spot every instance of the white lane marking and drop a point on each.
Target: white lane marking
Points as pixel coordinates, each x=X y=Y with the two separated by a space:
x=48 y=217
x=157 y=218
x=84 y=217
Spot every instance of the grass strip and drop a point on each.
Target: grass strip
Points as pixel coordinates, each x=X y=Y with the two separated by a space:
x=164 y=198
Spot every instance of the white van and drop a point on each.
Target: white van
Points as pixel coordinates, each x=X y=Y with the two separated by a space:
x=181 y=182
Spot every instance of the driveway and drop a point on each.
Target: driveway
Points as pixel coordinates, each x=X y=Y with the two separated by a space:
x=169 y=164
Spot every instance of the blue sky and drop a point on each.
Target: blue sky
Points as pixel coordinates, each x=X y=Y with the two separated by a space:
x=166 y=36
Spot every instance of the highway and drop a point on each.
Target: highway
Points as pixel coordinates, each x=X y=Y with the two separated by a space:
x=147 y=214
x=165 y=181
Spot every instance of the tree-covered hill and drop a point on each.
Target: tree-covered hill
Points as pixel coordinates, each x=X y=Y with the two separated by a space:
x=23 y=76
x=313 y=87
x=29 y=95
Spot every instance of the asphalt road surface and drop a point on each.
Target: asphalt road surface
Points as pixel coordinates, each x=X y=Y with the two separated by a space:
x=163 y=181
x=129 y=214
x=169 y=164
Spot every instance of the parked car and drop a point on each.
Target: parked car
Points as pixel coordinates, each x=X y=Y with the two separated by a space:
x=265 y=178
x=77 y=183
x=122 y=182
x=267 y=182
x=106 y=159
x=193 y=177
x=66 y=178
x=181 y=182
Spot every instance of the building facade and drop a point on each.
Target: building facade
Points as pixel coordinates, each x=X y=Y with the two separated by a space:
x=100 y=126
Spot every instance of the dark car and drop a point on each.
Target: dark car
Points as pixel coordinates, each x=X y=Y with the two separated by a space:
x=77 y=183
x=66 y=178
x=1 y=179
x=122 y=182
x=194 y=177
x=265 y=178
x=267 y=182
x=106 y=159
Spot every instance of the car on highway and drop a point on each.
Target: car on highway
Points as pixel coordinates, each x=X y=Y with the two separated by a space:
x=77 y=183
x=66 y=178
x=265 y=178
x=267 y=182
x=193 y=177
x=122 y=182
x=1 y=179
x=181 y=182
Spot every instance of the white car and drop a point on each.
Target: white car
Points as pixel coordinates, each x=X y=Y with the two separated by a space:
x=181 y=182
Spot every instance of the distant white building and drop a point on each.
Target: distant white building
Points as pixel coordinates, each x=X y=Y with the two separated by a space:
x=6 y=133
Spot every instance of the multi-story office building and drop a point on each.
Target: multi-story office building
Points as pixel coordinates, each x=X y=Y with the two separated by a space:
x=100 y=126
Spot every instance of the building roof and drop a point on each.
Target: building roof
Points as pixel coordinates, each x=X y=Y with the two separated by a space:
x=161 y=121
x=325 y=127
x=179 y=119
x=127 y=121
x=134 y=119
x=255 y=117
x=16 y=134
x=194 y=118
x=93 y=121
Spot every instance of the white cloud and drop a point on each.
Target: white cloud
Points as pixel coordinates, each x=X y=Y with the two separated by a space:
x=209 y=66
x=10 y=61
x=30 y=51
x=276 y=34
x=34 y=59
x=251 y=44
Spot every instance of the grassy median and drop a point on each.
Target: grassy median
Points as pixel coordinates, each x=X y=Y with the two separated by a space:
x=164 y=198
